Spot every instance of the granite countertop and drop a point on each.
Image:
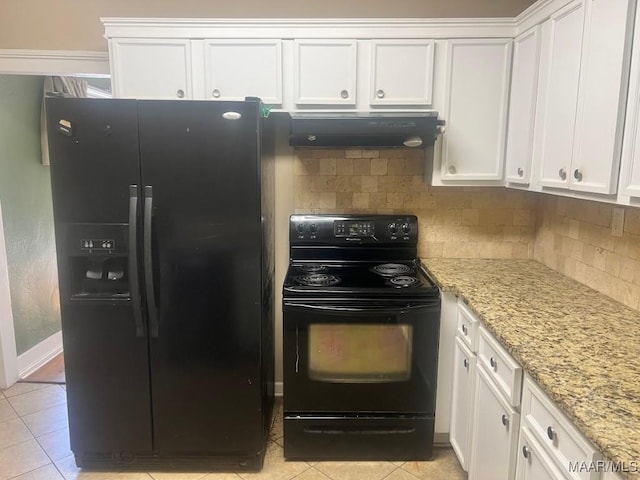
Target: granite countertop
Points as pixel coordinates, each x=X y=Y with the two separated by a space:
x=581 y=346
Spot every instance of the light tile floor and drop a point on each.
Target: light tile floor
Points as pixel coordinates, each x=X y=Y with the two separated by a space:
x=34 y=445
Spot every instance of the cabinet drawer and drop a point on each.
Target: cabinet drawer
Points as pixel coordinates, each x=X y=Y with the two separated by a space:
x=565 y=444
x=467 y=326
x=503 y=369
x=533 y=463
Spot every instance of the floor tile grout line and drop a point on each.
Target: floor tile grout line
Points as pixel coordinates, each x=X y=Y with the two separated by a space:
x=20 y=443
x=33 y=470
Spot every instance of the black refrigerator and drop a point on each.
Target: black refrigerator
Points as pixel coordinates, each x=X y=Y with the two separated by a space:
x=164 y=233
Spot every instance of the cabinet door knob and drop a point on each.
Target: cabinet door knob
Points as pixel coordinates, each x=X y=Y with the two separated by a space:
x=452 y=169
x=493 y=363
x=215 y=93
x=464 y=329
x=520 y=172
x=465 y=362
x=562 y=173
x=380 y=93
x=526 y=452
x=180 y=93
x=577 y=174
x=344 y=94
x=551 y=432
x=505 y=420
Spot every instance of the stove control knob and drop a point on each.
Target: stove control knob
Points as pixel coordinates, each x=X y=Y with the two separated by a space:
x=313 y=228
x=406 y=228
x=393 y=228
x=300 y=228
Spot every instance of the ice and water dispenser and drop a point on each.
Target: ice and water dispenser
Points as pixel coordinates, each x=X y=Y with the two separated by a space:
x=98 y=261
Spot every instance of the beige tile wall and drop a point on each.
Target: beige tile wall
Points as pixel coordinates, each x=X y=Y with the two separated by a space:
x=575 y=238
x=454 y=222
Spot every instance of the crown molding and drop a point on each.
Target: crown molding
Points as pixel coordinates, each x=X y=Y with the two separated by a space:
x=437 y=28
x=54 y=62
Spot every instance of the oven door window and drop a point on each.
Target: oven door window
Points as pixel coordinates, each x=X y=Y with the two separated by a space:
x=360 y=353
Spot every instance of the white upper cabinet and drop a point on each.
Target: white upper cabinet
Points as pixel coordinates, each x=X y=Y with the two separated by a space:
x=630 y=169
x=235 y=69
x=401 y=72
x=522 y=106
x=155 y=68
x=475 y=109
x=558 y=94
x=325 y=72
x=602 y=95
x=584 y=75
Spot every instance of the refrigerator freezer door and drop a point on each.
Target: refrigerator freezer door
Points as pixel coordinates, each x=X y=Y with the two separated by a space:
x=94 y=159
x=203 y=167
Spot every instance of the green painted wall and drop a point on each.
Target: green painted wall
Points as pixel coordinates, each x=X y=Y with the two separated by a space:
x=25 y=195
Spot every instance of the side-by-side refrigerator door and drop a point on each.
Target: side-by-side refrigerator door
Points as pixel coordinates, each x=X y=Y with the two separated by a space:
x=95 y=184
x=200 y=172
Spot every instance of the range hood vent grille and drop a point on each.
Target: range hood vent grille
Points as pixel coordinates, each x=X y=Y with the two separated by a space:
x=415 y=130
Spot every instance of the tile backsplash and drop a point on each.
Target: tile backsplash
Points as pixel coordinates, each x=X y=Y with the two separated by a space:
x=454 y=222
x=575 y=238
x=571 y=236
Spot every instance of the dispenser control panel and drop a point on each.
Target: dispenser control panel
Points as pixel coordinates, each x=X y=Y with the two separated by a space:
x=97 y=244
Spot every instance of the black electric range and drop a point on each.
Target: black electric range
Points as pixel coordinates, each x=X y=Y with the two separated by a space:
x=361 y=322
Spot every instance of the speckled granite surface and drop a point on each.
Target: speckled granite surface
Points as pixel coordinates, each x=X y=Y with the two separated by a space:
x=582 y=347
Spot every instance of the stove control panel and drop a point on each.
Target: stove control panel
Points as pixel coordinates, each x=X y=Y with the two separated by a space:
x=337 y=230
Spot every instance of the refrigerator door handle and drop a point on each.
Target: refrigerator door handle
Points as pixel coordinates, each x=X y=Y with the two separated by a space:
x=134 y=283
x=152 y=308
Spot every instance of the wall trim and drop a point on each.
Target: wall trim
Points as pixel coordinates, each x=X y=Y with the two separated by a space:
x=54 y=62
x=8 y=355
x=38 y=355
x=397 y=28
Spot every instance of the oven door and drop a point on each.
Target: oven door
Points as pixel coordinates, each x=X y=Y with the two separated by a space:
x=378 y=357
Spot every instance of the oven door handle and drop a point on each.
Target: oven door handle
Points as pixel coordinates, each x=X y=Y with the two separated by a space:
x=339 y=309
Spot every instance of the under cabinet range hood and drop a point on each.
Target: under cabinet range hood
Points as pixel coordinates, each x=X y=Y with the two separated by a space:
x=416 y=130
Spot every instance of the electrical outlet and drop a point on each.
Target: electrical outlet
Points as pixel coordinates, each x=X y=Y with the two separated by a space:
x=617 y=222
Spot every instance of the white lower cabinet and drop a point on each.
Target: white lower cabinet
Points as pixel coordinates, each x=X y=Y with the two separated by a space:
x=533 y=462
x=565 y=445
x=464 y=362
x=494 y=432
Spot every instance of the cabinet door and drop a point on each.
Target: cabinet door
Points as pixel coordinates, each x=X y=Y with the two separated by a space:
x=236 y=69
x=155 y=68
x=401 y=72
x=602 y=95
x=558 y=95
x=461 y=401
x=494 y=433
x=533 y=462
x=630 y=169
x=522 y=106
x=476 y=94
x=325 y=72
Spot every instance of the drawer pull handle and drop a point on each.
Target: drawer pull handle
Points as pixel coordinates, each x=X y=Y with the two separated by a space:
x=464 y=329
x=526 y=452
x=493 y=363
x=465 y=362
x=505 y=420
x=551 y=432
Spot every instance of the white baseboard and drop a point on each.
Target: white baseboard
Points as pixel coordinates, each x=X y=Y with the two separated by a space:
x=38 y=355
x=278 y=389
